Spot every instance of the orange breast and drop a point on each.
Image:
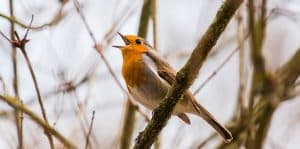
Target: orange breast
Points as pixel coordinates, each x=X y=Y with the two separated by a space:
x=133 y=69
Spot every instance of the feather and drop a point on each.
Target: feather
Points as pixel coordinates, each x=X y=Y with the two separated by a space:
x=164 y=69
x=184 y=118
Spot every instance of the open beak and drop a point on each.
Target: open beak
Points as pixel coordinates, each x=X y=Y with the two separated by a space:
x=119 y=47
x=126 y=41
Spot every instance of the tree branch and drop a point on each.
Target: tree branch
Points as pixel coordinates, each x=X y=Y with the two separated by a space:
x=289 y=72
x=90 y=131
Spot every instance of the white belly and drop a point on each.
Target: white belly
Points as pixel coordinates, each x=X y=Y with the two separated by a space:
x=150 y=99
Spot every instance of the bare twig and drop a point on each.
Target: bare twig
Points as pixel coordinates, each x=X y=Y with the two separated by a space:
x=18 y=114
x=90 y=130
x=125 y=13
x=54 y=21
x=203 y=143
x=39 y=96
x=16 y=104
x=2 y=34
x=21 y=43
x=216 y=70
x=84 y=121
x=3 y=85
x=239 y=48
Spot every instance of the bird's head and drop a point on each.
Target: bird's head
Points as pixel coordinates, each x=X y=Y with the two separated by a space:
x=133 y=44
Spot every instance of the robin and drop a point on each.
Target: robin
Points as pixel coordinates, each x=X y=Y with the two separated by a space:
x=149 y=77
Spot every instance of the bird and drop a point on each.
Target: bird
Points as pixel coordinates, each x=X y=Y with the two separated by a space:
x=148 y=77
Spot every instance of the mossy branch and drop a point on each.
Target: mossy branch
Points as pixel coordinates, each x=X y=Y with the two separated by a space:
x=186 y=76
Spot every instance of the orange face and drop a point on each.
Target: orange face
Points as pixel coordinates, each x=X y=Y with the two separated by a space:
x=133 y=44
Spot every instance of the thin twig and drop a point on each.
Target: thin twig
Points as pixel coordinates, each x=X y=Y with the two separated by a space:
x=18 y=114
x=203 y=143
x=21 y=44
x=83 y=120
x=21 y=118
x=237 y=49
x=119 y=21
x=4 y=88
x=39 y=96
x=16 y=104
x=216 y=70
x=90 y=131
x=54 y=21
x=2 y=34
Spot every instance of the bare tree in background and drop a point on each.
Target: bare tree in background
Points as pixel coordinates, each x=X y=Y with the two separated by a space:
x=67 y=90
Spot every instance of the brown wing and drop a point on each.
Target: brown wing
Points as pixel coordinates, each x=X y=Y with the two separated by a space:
x=164 y=69
x=166 y=72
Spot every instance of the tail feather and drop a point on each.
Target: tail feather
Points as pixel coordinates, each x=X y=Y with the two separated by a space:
x=209 y=118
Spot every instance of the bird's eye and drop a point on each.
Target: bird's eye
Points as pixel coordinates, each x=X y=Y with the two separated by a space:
x=138 y=41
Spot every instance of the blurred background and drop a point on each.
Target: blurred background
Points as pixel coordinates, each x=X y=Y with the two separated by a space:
x=74 y=81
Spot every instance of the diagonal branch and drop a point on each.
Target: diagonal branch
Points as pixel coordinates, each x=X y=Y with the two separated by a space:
x=90 y=131
x=291 y=70
x=186 y=76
